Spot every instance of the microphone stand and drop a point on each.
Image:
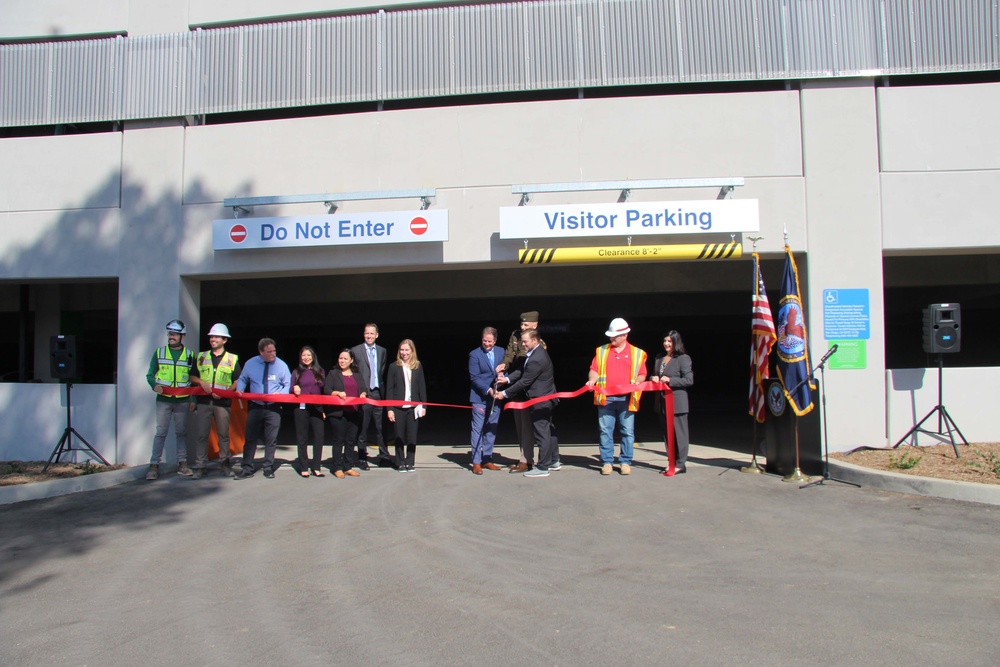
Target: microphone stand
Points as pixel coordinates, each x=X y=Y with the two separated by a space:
x=822 y=403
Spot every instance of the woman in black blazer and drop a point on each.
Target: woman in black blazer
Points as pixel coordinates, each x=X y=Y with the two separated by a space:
x=345 y=420
x=405 y=382
x=673 y=367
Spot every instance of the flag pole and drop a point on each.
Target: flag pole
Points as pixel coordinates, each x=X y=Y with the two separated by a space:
x=754 y=468
x=796 y=475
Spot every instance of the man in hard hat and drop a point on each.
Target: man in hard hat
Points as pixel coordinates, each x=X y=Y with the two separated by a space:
x=171 y=367
x=216 y=369
x=617 y=364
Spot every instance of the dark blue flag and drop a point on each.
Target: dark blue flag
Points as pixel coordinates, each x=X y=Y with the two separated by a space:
x=793 y=343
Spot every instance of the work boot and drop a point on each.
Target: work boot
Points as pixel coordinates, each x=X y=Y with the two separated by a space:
x=227 y=469
x=153 y=472
x=182 y=469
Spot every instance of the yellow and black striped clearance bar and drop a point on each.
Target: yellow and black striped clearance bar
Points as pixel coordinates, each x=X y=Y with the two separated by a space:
x=633 y=253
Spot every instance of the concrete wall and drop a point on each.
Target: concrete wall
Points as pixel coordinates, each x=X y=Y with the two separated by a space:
x=40 y=411
x=967 y=394
x=46 y=19
x=940 y=156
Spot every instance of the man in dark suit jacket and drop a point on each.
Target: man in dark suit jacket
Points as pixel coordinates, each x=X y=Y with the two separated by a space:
x=483 y=362
x=537 y=378
x=372 y=380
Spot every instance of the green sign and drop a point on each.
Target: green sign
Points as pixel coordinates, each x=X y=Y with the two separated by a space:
x=850 y=355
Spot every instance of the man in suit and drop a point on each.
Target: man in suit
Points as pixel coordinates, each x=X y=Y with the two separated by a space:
x=536 y=378
x=513 y=359
x=483 y=362
x=371 y=360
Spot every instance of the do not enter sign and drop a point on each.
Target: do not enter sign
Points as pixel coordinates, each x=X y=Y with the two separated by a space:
x=418 y=226
x=335 y=229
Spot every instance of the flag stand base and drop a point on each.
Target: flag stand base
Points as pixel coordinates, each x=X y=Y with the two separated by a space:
x=796 y=477
x=753 y=469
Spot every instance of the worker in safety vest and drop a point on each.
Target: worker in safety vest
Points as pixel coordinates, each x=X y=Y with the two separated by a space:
x=216 y=369
x=617 y=364
x=171 y=367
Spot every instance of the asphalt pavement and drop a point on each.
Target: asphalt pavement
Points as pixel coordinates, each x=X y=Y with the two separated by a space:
x=442 y=567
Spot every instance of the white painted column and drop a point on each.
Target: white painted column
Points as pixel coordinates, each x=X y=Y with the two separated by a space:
x=149 y=285
x=844 y=229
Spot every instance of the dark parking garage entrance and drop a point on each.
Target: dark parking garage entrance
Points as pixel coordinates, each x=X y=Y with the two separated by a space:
x=444 y=312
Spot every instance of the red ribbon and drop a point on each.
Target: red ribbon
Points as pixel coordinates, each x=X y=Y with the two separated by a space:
x=319 y=399
x=312 y=399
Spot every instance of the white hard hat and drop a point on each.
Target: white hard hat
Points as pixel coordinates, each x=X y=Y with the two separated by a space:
x=219 y=329
x=176 y=326
x=617 y=328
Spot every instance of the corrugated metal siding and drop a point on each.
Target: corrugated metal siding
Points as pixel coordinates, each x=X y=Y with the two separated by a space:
x=492 y=48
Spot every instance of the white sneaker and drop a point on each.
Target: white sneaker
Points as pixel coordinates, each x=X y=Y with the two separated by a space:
x=555 y=466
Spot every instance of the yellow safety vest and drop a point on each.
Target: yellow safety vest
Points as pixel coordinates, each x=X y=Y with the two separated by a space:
x=172 y=373
x=222 y=377
x=638 y=363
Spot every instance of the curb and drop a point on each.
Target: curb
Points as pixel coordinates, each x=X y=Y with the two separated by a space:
x=884 y=480
x=988 y=494
x=19 y=493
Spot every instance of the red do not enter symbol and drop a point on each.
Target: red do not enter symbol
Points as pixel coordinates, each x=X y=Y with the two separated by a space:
x=418 y=226
x=238 y=234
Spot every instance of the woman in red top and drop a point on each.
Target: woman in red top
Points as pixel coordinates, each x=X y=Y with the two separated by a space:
x=307 y=380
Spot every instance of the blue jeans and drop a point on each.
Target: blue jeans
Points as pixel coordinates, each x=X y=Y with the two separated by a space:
x=607 y=416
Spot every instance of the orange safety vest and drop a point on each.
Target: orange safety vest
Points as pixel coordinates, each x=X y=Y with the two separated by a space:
x=638 y=363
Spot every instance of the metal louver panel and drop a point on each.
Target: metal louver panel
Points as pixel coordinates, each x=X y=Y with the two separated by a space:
x=489 y=48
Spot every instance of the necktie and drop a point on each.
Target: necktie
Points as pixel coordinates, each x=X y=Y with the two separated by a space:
x=372 y=369
x=263 y=380
x=489 y=358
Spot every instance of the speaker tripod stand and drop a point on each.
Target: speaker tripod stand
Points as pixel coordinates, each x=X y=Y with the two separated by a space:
x=66 y=441
x=943 y=419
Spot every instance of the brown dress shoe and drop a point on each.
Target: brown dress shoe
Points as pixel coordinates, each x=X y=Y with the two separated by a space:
x=520 y=467
x=352 y=473
x=477 y=469
x=489 y=465
x=339 y=474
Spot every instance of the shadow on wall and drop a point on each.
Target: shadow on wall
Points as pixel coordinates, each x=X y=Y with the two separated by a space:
x=81 y=243
x=40 y=533
x=137 y=243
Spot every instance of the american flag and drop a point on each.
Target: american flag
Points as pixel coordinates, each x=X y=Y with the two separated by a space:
x=763 y=339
